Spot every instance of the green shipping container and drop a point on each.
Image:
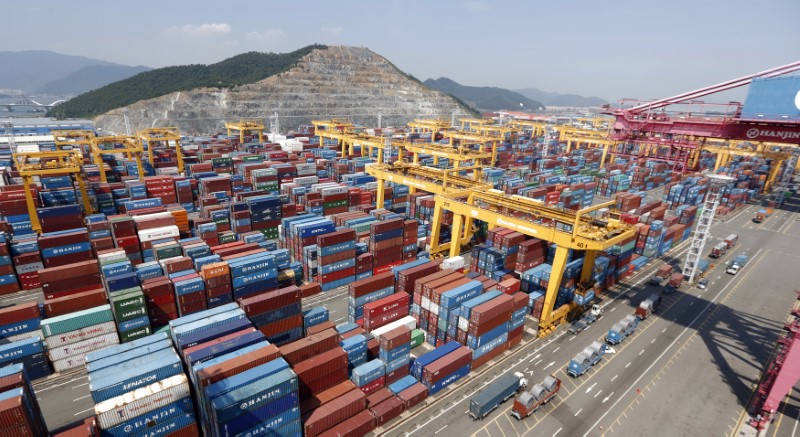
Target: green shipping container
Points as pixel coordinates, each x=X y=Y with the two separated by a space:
x=335 y=204
x=417 y=337
x=136 y=333
x=126 y=303
x=77 y=320
x=168 y=252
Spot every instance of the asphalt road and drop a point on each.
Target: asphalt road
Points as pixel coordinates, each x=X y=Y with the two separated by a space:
x=711 y=344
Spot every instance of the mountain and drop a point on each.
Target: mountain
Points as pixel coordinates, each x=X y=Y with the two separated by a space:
x=31 y=69
x=484 y=98
x=89 y=78
x=310 y=83
x=556 y=99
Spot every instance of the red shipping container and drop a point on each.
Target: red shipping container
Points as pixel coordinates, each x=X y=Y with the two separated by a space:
x=489 y=356
x=316 y=329
x=476 y=330
x=486 y=311
x=384 y=319
x=378 y=396
x=395 y=338
x=236 y=365
x=325 y=396
x=413 y=395
x=372 y=386
x=310 y=289
x=509 y=286
x=388 y=410
x=357 y=426
x=20 y=312
x=446 y=365
x=396 y=374
x=75 y=302
x=271 y=300
x=336 y=411
x=320 y=365
x=307 y=347
x=386 y=305
x=371 y=284
x=282 y=325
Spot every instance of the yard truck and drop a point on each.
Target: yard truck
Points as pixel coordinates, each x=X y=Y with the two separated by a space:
x=585 y=359
x=497 y=392
x=736 y=264
x=661 y=274
x=648 y=306
x=529 y=401
x=622 y=330
x=591 y=316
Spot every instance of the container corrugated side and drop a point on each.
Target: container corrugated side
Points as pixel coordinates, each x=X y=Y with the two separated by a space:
x=113 y=350
x=228 y=406
x=77 y=320
x=142 y=401
x=80 y=334
x=122 y=357
x=82 y=347
x=140 y=424
x=131 y=376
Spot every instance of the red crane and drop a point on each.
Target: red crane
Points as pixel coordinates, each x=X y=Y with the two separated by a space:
x=781 y=373
x=647 y=130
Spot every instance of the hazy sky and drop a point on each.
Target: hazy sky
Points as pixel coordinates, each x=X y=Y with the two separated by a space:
x=612 y=49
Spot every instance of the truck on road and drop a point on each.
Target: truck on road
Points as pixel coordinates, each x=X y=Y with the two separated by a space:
x=731 y=240
x=736 y=264
x=661 y=274
x=622 y=330
x=648 y=306
x=762 y=214
x=529 y=401
x=675 y=281
x=718 y=250
x=585 y=359
x=593 y=315
x=495 y=394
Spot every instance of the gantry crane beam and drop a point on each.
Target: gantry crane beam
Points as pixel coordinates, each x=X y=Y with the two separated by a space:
x=429 y=125
x=454 y=154
x=573 y=137
x=431 y=180
x=471 y=138
x=30 y=164
x=537 y=127
x=567 y=229
x=244 y=127
x=494 y=130
x=129 y=145
x=72 y=138
x=153 y=136
x=332 y=129
x=471 y=123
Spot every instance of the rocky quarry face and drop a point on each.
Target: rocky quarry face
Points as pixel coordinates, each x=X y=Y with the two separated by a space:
x=350 y=82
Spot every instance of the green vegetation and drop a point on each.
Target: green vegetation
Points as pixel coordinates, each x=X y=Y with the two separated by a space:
x=485 y=98
x=239 y=70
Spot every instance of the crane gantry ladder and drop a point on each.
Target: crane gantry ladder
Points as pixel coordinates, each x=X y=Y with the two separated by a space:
x=703 y=227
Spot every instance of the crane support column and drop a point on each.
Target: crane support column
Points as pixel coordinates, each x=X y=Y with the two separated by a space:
x=455 y=235
x=556 y=273
x=603 y=156
x=436 y=225
x=27 y=181
x=87 y=206
x=588 y=264
x=380 y=195
x=773 y=173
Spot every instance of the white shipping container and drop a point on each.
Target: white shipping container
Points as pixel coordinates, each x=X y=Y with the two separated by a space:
x=158 y=233
x=406 y=321
x=112 y=257
x=71 y=337
x=141 y=401
x=306 y=180
x=426 y=304
x=454 y=263
x=27 y=268
x=24 y=335
x=463 y=323
x=83 y=347
x=69 y=363
x=156 y=215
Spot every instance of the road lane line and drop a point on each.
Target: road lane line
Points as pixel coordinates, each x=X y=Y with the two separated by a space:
x=641 y=352
x=591 y=387
x=612 y=310
x=653 y=340
x=537 y=363
x=667 y=349
x=82 y=397
x=597 y=394
x=627 y=365
x=84 y=411
x=558 y=431
x=441 y=429
x=615 y=377
x=578 y=412
x=556 y=349
x=607 y=398
x=664 y=330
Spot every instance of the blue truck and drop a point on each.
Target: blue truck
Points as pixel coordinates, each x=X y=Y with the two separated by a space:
x=500 y=390
x=622 y=329
x=585 y=359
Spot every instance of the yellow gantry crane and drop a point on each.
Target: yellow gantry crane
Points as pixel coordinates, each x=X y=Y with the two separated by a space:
x=472 y=138
x=332 y=129
x=245 y=127
x=431 y=180
x=56 y=163
x=537 y=127
x=129 y=145
x=725 y=150
x=567 y=229
x=432 y=125
x=161 y=137
x=594 y=139
x=80 y=139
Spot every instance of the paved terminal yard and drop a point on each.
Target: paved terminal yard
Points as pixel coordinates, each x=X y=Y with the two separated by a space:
x=687 y=370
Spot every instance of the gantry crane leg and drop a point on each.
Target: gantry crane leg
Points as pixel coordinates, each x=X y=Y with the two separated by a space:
x=27 y=181
x=87 y=206
x=588 y=265
x=455 y=235
x=380 y=195
x=773 y=173
x=546 y=325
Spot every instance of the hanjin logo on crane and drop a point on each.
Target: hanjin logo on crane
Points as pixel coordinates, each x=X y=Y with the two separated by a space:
x=753 y=133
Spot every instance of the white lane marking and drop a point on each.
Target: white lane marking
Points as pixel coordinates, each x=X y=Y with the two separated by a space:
x=441 y=429
x=666 y=349
x=626 y=366
x=607 y=397
x=572 y=338
x=719 y=277
x=794 y=428
x=537 y=363
x=578 y=412
x=59 y=385
x=558 y=431
x=713 y=282
x=556 y=349
x=641 y=352
x=615 y=377
x=664 y=330
x=612 y=310
x=80 y=385
x=652 y=341
x=81 y=412
x=537 y=356
x=551 y=363
x=82 y=397
x=339 y=319
x=591 y=387
x=597 y=394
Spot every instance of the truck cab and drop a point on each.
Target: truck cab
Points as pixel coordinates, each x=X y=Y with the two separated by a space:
x=718 y=250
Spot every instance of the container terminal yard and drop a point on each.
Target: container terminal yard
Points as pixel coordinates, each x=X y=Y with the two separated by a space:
x=508 y=275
